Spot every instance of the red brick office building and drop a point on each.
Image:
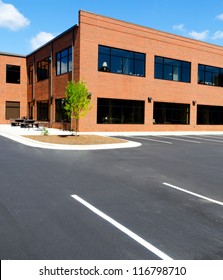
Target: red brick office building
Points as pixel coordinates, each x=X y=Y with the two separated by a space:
x=140 y=79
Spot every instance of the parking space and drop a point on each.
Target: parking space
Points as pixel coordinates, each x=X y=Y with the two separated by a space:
x=162 y=200
x=196 y=139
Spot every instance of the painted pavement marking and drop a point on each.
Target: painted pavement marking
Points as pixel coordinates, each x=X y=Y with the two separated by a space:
x=122 y=228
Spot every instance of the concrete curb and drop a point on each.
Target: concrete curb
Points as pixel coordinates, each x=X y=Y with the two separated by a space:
x=16 y=134
x=43 y=145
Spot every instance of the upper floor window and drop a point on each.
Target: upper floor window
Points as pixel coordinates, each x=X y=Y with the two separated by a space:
x=172 y=69
x=64 y=61
x=209 y=75
x=13 y=74
x=121 y=61
x=43 y=69
x=30 y=74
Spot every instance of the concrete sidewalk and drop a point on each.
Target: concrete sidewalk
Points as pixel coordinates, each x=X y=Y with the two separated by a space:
x=17 y=134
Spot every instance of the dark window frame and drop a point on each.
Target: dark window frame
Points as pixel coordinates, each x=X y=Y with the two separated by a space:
x=129 y=62
x=210 y=75
x=209 y=115
x=30 y=74
x=13 y=74
x=60 y=112
x=12 y=110
x=120 y=111
x=43 y=110
x=43 y=69
x=64 y=56
x=170 y=113
x=172 y=69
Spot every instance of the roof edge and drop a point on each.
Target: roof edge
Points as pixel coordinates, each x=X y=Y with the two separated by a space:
x=12 y=54
x=55 y=38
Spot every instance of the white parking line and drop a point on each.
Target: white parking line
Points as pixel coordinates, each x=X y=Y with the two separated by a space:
x=122 y=228
x=214 y=137
x=194 y=194
x=179 y=139
x=202 y=138
x=149 y=139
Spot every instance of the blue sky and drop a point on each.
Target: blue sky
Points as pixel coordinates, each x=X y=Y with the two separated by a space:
x=26 y=24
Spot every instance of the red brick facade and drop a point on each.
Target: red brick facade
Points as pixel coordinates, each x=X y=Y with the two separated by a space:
x=10 y=92
x=94 y=30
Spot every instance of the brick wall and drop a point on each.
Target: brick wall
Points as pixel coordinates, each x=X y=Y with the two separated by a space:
x=9 y=91
x=95 y=30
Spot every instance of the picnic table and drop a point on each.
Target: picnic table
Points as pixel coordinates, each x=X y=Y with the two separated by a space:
x=24 y=123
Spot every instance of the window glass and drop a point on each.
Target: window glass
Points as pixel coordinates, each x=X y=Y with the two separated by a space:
x=208 y=78
x=116 y=64
x=42 y=110
x=121 y=61
x=63 y=65
x=119 y=111
x=64 y=53
x=172 y=62
x=105 y=50
x=185 y=64
x=13 y=74
x=176 y=73
x=60 y=112
x=30 y=74
x=171 y=113
x=210 y=75
x=159 y=71
x=201 y=77
x=172 y=69
x=128 y=66
x=140 y=56
x=64 y=61
x=209 y=115
x=168 y=72
x=139 y=68
x=185 y=75
x=43 y=69
x=12 y=110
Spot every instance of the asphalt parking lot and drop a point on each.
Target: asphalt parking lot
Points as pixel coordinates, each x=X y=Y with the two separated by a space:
x=163 y=200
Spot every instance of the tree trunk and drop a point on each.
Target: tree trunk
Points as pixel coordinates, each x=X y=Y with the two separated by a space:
x=76 y=126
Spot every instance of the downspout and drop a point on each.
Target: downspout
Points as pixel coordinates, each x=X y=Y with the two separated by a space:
x=51 y=85
x=33 y=89
x=73 y=39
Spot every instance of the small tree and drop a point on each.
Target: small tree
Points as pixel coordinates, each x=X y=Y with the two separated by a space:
x=77 y=102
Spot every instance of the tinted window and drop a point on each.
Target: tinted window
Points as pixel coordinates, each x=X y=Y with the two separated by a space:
x=64 y=61
x=121 y=61
x=209 y=75
x=13 y=74
x=119 y=111
x=172 y=69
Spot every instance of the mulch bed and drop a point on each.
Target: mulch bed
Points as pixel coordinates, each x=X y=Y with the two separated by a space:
x=75 y=140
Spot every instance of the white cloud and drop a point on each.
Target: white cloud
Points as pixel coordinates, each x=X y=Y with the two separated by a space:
x=11 y=18
x=199 y=35
x=220 y=17
x=179 y=27
x=217 y=35
x=40 y=39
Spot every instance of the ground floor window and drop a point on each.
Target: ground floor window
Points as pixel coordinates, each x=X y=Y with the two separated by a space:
x=120 y=111
x=12 y=110
x=209 y=114
x=171 y=113
x=61 y=114
x=30 y=110
x=43 y=110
